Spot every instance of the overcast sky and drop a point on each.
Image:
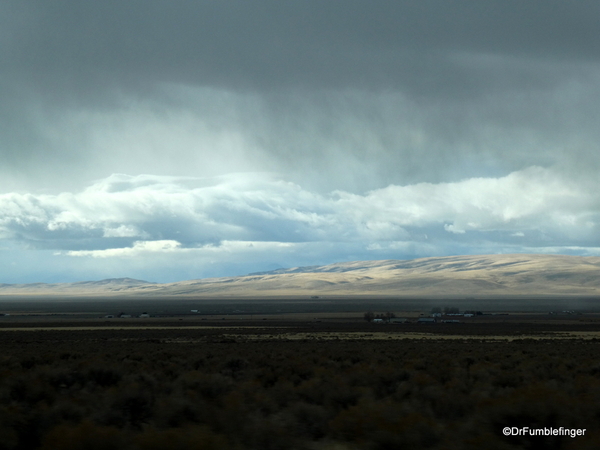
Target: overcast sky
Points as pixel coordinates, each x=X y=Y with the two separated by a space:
x=171 y=140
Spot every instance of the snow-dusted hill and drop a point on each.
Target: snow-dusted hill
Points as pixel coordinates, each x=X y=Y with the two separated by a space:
x=482 y=275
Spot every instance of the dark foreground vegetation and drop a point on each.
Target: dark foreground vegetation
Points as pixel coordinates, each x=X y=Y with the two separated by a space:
x=199 y=389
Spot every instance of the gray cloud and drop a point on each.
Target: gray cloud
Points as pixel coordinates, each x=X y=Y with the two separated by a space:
x=269 y=44
x=347 y=140
x=389 y=92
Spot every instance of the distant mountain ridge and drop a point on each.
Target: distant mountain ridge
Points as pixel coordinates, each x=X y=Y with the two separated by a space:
x=109 y=284
x=114 y=281
x=449 y=276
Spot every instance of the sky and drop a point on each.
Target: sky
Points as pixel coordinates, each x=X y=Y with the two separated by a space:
x=173 y=140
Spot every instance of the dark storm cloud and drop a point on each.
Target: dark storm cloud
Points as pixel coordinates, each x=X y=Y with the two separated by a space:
x=372 y=92
x=419 y=47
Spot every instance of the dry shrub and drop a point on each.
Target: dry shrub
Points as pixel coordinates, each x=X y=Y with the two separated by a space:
x=188 y=438
x=133 y=407
x=8 y=436
x=384 y=424
x=209 y=386
x=308 y=421
x=85 y=436
x=177 y=411
x=104 y=376
x=146 y=393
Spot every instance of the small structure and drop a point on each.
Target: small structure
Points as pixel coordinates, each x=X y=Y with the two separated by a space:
x=144 y=315
x=377 y=320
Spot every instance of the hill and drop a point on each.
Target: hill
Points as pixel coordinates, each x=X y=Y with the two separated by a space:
x=451 y=276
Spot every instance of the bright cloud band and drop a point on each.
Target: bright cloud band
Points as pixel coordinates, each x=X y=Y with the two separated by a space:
x=129 y=215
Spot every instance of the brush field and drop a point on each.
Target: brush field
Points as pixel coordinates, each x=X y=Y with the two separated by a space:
x=320 y=380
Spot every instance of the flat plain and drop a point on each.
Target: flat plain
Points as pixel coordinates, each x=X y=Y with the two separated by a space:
x=296 y=373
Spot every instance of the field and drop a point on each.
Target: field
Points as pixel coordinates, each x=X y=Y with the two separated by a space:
x=294 y=374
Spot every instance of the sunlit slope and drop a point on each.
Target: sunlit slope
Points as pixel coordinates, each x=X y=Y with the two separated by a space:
x=508 y=275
